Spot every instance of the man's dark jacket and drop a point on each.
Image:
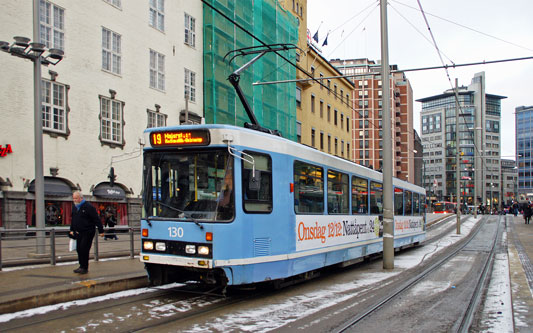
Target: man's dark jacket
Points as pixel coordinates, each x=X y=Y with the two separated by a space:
x=85 y=219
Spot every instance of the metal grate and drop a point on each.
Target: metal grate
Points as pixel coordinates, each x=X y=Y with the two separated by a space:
x=261 y=247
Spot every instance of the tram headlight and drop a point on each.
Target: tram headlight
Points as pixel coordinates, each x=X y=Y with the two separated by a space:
x=190 y=249
x=148 y=245
x=203 y=250
x=160 y=246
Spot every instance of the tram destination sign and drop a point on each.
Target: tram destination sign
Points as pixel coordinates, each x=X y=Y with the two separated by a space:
x=178 y=138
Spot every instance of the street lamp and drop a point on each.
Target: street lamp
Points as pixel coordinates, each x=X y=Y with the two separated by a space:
x=23 y=48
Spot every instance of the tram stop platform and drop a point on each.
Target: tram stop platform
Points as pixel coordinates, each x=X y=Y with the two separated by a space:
x=30 y=287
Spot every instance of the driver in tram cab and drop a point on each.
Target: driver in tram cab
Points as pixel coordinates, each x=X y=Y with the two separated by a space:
x=225 y=199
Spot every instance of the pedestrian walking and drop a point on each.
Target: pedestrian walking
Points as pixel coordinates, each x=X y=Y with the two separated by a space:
x=110 y=223
x=527 y=212
x=85 y=220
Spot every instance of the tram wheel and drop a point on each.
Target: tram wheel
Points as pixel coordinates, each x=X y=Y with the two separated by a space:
x=157 y=274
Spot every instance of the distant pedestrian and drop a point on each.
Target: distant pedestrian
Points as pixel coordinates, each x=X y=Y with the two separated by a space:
x=110 y=223
x=85 y=220
x=527 y=213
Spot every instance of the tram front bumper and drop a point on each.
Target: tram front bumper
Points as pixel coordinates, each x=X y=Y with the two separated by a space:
x=176 y=261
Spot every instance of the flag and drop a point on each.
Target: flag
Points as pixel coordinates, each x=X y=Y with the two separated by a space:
x=315 y=36
x=325 y=40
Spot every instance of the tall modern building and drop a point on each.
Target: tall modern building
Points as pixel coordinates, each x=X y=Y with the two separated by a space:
x=128 y=65
x=524 y=151
x=479 y=144
x=509 y=182
x=367 y=118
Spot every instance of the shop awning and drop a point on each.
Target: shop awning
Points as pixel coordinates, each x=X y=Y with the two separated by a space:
x=106 y=191
x=53 y=187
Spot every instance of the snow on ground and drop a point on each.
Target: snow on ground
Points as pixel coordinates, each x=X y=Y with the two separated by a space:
x=264 y=318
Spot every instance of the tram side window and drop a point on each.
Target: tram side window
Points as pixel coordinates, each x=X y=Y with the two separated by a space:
x=338 y=194
x=308 y=188
x=376 y=198
x=422 y=204
x=257 y=188
x=398 y=201
x=408 y=203
x=416 y=204
x=359 y=195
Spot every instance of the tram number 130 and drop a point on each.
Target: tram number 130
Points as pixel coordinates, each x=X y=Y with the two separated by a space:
x=175 y=232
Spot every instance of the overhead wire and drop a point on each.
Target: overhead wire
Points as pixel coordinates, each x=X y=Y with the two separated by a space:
x=415 y=28
x=465 y=27
x=319 y=81
x=456 y=96
x=440 y=53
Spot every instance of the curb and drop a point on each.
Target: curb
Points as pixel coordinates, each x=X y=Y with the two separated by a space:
x=81 y=290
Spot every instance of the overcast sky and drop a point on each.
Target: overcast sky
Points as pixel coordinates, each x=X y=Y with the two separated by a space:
x=465 y=31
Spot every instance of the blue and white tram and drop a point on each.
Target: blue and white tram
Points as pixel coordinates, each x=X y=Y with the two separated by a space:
x=230 y=206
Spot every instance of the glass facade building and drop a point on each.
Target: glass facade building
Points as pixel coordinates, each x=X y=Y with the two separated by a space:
x=478 y=134
x=524 y=151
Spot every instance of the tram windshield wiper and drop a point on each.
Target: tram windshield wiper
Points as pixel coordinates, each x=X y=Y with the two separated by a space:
x=184 y=214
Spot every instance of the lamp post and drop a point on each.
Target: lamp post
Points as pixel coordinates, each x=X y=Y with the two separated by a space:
x=23 y=48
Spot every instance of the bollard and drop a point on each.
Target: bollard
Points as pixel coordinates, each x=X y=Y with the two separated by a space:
x=53 y=247
x=96 y=257
x=132 y=245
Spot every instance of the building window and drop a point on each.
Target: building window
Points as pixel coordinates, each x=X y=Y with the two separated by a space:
x=190 y=30
x=116 y=3
x=157 y=14
x=157 y=70
x=335 y=117
x=54 y=101
x=156 y=118
x=348 y=151
x=298 y=97
x=190 y=85
x=329 y=113
x=111 y=51
x=347 y=124
x=321 y=109
x=312 y=137
x=111 y=124
x=321 y=81
x=312 y=103
x=329 y=143
x=299 y=132
x=52 y=20
x=321 y=140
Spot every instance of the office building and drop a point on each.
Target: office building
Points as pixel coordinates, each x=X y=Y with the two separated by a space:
x=479 y=144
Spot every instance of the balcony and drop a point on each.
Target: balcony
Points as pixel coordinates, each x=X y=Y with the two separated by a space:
x=304 y=84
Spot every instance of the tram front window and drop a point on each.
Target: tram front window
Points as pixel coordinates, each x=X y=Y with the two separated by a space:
x=189 y=185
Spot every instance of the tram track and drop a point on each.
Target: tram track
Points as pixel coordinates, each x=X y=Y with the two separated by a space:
x=399 y=290
x=168 y=309
x=166 y=297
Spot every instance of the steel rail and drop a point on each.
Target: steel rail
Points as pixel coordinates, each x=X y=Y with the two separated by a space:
x=414 y=280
